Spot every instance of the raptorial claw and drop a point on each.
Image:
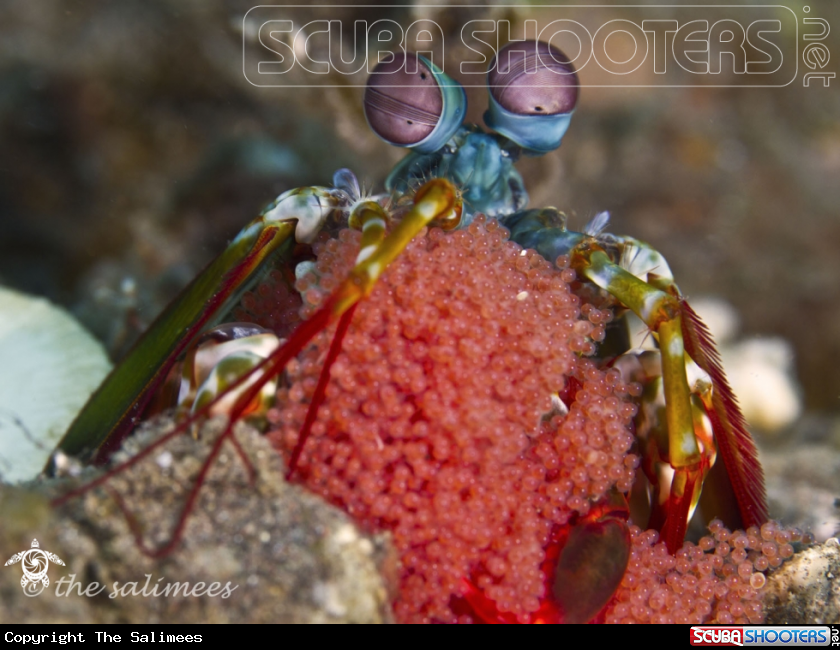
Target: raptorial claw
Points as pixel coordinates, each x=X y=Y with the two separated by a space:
x=690 y=453
x=734 y=442
x=116 y=407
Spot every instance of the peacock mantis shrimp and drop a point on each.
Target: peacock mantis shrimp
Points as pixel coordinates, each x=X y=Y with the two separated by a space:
x=459 y=184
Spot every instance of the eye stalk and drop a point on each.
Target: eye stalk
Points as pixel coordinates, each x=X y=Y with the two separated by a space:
x=533 y=92
x=410 y=102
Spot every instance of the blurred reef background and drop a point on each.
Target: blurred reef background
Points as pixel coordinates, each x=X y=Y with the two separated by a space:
x=132 y=148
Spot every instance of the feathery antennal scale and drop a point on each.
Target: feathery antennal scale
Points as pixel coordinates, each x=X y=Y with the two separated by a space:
x=734 y=441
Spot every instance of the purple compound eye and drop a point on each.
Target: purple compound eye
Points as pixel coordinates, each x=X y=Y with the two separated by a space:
x=533 y=92
x=533 y=78
x=411 y=103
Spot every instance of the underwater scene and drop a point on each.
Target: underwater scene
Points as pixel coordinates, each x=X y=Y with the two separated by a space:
x=488 y=313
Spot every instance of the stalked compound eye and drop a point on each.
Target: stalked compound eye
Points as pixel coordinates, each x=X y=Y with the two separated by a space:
x=533 y=93
x=410 y=102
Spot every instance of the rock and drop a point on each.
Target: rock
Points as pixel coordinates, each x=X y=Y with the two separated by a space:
x=806 y=590
x=274 y=552
x=802 y=484
x=761 y=373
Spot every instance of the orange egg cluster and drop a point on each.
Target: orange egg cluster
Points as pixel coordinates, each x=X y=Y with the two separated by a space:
x=273 y=303
x=439 y=423
x=463 y=416
x=718 y=580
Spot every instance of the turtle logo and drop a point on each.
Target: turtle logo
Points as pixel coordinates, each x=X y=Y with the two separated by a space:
x=35 y=565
